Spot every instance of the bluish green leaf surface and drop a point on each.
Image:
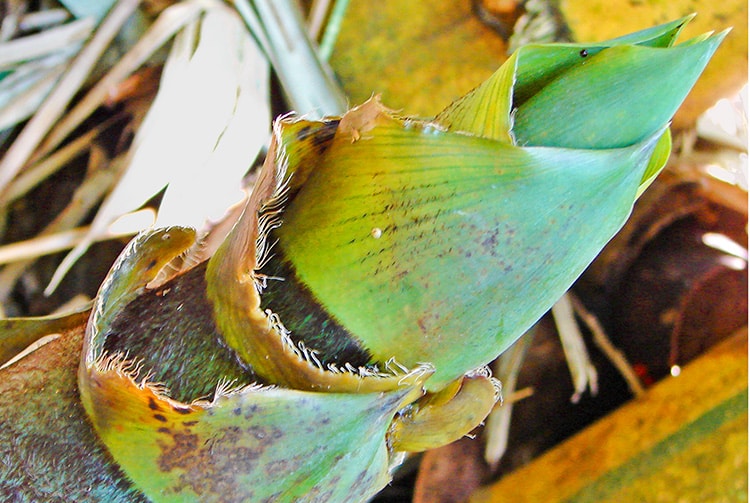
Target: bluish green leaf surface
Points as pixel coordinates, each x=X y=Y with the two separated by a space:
x=476 y=239
x=618 y=97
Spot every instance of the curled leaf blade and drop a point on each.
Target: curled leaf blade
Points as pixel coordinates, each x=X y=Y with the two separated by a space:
x=658 y=160
x=428 y=425
x=486 y=110
x=251 y=442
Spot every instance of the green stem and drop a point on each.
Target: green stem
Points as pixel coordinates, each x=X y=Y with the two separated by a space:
x=332 y=29
x=308 y=82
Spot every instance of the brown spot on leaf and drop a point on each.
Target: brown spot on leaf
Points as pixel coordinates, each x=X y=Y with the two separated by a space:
x=209 y=466
x=174 y=456
x=303 y=133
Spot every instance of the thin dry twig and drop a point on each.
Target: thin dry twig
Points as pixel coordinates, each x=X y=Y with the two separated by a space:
x=601 y=340
x=27 y=87
x=317 y=16
x=163 y=29
x=59 y=241
x=582 y=370
x=41 y=122
x=44 y=43
x=519 y=395
x=37 y=173
x=506 y=368
x=98 y=181
x=43 y=19
x=318 y=94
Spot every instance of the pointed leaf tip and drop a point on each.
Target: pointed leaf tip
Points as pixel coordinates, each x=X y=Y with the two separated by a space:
x=620 y=96
x=663 y=35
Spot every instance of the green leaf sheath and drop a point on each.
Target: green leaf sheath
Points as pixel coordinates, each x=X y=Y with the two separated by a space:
x=257 y=335
x=475 y=238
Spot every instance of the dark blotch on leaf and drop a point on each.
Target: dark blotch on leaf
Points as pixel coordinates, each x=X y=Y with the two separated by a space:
x=324 y=135
x=303 y=133
x=180 y=410
x=307 y=319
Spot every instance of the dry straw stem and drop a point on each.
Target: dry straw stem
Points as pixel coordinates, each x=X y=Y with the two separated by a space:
x=506 y=368
x=36 y=61
x=164 y=28
x=214 y=72
x=42 y=19
x=64 y=240
x=37 y=173
x=317 y=16
x=600 y=338
x=38 y=126
x=291 y=52
x=44 y=43
x=27 y=87
x=582 y=370
x=102 y=174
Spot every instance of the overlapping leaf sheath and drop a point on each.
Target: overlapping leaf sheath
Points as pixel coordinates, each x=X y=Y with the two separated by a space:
x=379 y=263
x=444 y=241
